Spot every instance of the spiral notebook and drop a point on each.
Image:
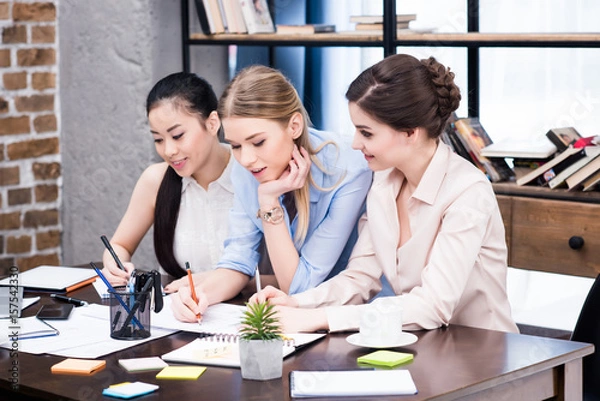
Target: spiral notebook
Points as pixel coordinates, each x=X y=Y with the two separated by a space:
x=223 y=350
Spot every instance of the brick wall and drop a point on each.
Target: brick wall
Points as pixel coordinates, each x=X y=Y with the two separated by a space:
x=30 y=162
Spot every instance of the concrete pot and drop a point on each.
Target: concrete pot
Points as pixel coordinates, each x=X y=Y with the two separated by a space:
x=261 y=359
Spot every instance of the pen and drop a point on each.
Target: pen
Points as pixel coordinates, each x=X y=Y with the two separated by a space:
x=74 y=301
x=112 y=252
x=257 y=279
x=192 y=288
x=117 y=296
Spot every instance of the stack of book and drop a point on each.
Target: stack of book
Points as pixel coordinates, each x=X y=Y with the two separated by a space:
x=374 y=23
x=467 y=137
x=234 y=16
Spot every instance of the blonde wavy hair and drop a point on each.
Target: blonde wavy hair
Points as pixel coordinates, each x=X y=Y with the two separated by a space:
x=263 y=92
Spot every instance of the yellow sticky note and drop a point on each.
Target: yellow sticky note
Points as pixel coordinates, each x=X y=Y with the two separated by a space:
x=385 y=358
x=181 y=372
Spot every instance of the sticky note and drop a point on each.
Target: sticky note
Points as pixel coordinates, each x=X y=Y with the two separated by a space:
x=385 y=358
x=142 y=364
x=78 y=366
x=129 y=390
x=181 y=372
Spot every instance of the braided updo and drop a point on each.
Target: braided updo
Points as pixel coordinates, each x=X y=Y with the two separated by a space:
x=405 y=93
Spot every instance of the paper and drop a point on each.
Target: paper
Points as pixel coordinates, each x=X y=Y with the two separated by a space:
x=27 y=328
x=209 y=351
x=349 y=383
x=129 y=390
x=385 y=358
x=53 y=278
x=181 y=372
x=142 y=364
x=78 y=366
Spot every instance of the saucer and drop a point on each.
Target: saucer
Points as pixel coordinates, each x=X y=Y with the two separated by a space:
x=404 y=339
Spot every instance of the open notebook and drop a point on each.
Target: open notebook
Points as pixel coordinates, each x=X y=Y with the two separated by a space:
x=54 y=278
x=223 y=350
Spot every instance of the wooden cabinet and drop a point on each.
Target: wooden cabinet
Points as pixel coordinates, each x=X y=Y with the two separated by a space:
x=544 y=229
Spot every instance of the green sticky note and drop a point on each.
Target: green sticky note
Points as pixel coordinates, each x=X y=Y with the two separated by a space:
x=385 y=358
x=181 y=372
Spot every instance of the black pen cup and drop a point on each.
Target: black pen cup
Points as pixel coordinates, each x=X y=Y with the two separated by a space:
x=129 y=314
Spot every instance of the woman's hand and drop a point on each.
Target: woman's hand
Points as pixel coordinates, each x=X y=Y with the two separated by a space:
x=291 y=179
x=115 y=276
x=183 y=306
x=175 y=285
x=274 y=296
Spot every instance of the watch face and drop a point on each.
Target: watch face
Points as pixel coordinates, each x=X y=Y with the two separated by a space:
x=275 y=215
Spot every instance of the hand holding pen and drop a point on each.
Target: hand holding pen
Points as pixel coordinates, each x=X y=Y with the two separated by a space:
x=193 y=289
x=119 y=274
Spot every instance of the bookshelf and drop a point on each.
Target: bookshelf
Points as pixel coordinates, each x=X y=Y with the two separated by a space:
x=539 y=222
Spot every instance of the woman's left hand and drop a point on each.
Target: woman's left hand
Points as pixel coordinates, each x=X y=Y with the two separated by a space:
x=291 y=179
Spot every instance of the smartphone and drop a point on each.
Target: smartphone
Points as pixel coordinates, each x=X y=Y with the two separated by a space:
x=55 y=311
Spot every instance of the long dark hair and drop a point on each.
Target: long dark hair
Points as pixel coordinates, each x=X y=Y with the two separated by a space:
x=405 y=93
x=195 y=96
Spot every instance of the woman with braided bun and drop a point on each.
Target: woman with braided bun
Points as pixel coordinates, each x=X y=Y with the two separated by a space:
x=432 y=226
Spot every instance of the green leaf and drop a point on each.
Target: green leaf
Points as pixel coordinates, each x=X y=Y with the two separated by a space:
x=259 y=322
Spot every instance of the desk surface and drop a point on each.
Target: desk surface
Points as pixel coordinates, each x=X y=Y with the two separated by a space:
x=452 y=363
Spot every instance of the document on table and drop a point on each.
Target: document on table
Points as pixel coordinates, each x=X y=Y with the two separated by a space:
x=86 y=334
x=304 y=384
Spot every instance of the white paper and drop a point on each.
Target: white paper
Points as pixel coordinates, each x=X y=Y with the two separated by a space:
x=56 y=278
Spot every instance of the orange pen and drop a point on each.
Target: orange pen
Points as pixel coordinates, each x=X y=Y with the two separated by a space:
x=192 y=288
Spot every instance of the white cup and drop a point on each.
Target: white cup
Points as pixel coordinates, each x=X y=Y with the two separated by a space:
x=381 y=322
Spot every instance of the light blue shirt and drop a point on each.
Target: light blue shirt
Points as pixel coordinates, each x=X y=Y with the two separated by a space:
x=333 y=215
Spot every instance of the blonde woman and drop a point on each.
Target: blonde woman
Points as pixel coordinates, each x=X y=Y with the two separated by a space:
x=300 y=189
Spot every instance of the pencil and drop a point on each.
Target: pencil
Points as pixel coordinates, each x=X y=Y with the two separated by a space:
x=192 y=288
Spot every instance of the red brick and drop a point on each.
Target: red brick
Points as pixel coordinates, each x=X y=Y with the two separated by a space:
x=1 y=244
x=5 y=265
x=46 y=193
x=3 y=105
x=14 y=34
x=43 y=34
x=4 y=57
x=34 y=12
x=9 y=176
x=43 y=80
x=14 y=125
x=32 y=57
x=10 y=221
x=20 y=244
x=34 y=103
x=19 y=196
x=33 y=148
x=15 y=80
x=1 y=152
x=37 y=260
x=40 y=218
x=4 y=14
x=45 y=123
x=48 y=239
x=46 y=171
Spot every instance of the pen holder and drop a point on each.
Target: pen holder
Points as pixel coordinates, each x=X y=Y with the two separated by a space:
x=129 y=314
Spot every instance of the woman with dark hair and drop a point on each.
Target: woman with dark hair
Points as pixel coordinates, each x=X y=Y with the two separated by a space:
x=299 y=190
x=432 y=227
x=186 y=197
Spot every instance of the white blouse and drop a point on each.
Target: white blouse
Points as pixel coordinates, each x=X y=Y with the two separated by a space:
x=202 y=223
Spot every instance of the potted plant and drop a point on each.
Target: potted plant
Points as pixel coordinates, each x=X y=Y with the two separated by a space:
x=261 y=344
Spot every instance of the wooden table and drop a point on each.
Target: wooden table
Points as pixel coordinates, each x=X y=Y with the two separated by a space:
x=452 y=363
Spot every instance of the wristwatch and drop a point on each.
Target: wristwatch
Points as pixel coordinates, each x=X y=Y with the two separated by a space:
x=273 y=216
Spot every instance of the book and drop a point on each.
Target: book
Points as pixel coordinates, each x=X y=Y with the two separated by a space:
x=591 y=182
x=54 y=278
x=257 y=16
x=590 y=153
x=563 y=137
x=214 y=16
x=82 y=367
x=543 y=174
x=223 y=350
x=142 y=364
x=378 y=26
x=129 y=390
x=590 y=165
x=475 y=138
x=385 y=358
x=351 y=383
x=202 y=17
x=378 y=19
x=538 y=148
x=305 y=29
x=181 y=372
x=233 y=14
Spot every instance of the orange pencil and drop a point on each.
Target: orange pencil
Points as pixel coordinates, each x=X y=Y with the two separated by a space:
x=192 y=288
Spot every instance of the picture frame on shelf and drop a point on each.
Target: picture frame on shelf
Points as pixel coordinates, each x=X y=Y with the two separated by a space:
x=257 y=16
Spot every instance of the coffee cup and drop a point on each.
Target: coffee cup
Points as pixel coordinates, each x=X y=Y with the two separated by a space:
x=381 y=322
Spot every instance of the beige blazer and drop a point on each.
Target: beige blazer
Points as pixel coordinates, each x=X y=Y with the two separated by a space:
x=451 y=271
